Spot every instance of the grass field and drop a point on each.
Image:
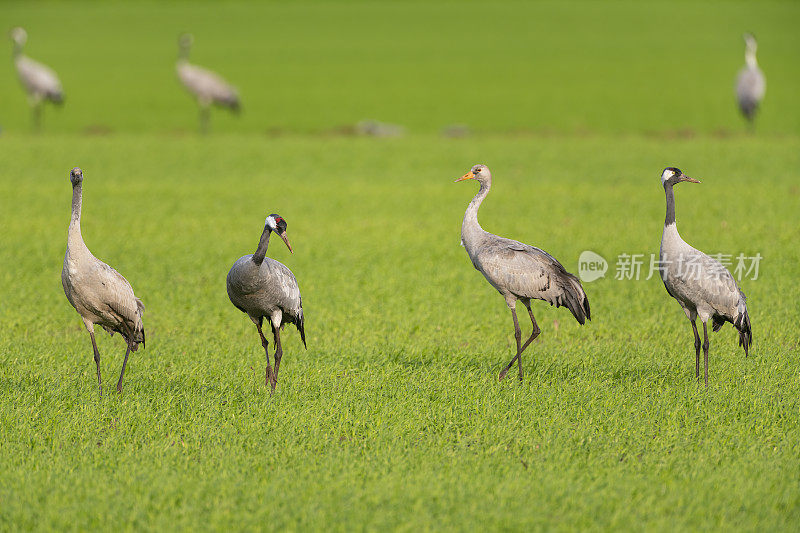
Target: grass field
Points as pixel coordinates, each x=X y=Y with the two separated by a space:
x=393 y=418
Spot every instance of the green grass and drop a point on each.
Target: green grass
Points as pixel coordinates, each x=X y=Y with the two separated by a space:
x=393 y=417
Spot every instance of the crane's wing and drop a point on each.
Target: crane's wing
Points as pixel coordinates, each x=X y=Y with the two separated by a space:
x=113 y=299
x=281 y=286
x=207 y=84
x=39 y=78
x=707 y=280
x=750 y=89
x=529 y=272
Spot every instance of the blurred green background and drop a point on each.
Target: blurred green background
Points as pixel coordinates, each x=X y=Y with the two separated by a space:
x=565 y=66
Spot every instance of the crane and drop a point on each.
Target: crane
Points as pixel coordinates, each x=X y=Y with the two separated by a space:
x=750 y=82
x=262 y=287
x=207 y=86
x=100 y=294
x=702 y=285
x=40 y=81
x=518 y=271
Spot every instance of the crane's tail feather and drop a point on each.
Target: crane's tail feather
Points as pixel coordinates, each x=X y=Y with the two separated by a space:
x=576 y=300
x=741 y=322
x=301 y=327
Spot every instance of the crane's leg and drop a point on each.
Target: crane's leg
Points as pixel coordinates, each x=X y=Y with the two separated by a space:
x=204 y=119
x=37 y=117
x=265 y=344
x=276 y=332
x=518 y=338
x=124 y=363
x=696 y=350
x=536 y=330
x=96 y=361
x=705 y=349
x=534 y=334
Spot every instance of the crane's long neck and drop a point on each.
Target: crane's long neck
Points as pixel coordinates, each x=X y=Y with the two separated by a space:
x=750 y=57
x=670 y=218
x=183 y=53
x=470 y=228
x=74 y=237
x=263 y=244
x=16 y=50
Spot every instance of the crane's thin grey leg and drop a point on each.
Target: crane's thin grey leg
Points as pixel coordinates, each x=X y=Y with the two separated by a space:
x=705 y=350
x=696 y=350
x=203 y=119
x=536 y=330
x=97 y=361
x=124 y=363
x=37 y=117
x=518 y=358
x=265 y=344
x=278 y=354
x=534 y=334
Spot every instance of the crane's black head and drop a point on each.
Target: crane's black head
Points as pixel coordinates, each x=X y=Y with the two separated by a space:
x=277 y=224
x=76 y=176
x=477 y=172
x=673 y=175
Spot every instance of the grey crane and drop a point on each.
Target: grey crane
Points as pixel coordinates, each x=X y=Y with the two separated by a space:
x=207 y=87
x=40 y=81
x=750 y=82
x=264 y=288
x=98 y=292
x=518 y=271
x=702 y=285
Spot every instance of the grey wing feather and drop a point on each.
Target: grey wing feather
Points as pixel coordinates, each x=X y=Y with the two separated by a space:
x=39 y=79
x=713 y=284
x=117 y=294
x=208 y=85
x=750 y=89
x=529 y=272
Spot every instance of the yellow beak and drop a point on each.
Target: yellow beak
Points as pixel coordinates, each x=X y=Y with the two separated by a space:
x=468 y=176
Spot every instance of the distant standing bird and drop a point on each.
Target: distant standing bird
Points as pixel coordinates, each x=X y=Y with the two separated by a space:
x=701 y=285
x=265 y=288
x=98 y=292
x=516 y=270
x=750 y=82
x=208 y=87
x=40 y=82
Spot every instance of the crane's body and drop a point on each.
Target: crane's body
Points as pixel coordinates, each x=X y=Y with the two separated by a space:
x=207 y=86
x=262 y=287
x=39 y=81
x=100 y=294
x=750 y=82
x=268 y=290
x=518 y=271
x=702 y=286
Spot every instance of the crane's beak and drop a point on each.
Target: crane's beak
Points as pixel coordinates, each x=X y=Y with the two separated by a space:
x=468 y=176
x=286 y=240
x=684 y=177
